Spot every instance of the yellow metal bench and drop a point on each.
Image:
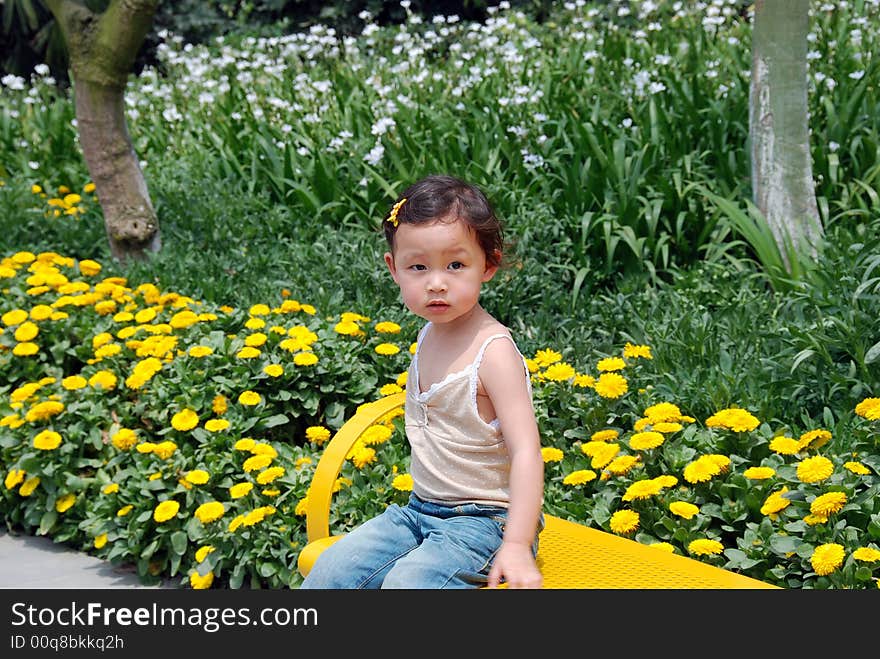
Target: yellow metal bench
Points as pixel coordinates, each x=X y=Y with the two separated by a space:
x=570 y=555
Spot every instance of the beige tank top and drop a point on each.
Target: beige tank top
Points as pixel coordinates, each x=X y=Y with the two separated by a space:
x=457 y=457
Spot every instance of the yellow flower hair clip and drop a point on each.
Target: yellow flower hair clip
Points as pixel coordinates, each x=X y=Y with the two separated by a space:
x=394 y=211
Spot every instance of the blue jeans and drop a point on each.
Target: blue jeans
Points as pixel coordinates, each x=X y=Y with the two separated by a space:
x=419 y=545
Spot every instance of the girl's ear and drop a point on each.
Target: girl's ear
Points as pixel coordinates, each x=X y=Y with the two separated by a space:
x=492 y=269
x=389 y=261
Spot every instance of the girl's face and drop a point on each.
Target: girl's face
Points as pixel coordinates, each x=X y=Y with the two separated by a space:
x=439 y=268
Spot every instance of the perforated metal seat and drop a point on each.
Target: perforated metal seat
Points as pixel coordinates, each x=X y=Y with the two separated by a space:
x=570 y=555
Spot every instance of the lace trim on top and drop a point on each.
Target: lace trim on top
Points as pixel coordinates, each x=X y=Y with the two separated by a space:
x=472 y=369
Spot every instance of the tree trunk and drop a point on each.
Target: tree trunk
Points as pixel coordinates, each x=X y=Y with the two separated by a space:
x=102 y=49
x=781 y=164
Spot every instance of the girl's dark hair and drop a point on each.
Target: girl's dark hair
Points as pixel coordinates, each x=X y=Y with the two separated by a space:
x=447 y=199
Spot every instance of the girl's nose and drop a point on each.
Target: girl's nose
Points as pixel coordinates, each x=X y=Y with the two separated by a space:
x=436 y=283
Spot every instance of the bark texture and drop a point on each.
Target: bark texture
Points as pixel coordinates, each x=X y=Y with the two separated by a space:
x=102 y=49
x=781 y=164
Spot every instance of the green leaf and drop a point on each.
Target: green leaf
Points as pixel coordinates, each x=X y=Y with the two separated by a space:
x=179 y=542
x=783 y=544
x=47 y=522
x=873 y=353
x=276 y=420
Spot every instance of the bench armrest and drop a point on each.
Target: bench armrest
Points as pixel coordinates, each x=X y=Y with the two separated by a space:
x=333 y=457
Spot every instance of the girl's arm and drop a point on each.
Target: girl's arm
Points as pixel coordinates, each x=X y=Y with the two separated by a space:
x=503 y=376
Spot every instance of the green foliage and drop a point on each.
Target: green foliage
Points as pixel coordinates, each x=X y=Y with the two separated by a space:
x=271 y=162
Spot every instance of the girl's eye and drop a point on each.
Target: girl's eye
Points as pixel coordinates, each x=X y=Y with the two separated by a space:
x=456 y=265
x=417 y=266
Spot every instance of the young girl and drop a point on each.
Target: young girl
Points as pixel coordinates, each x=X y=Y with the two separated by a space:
x=474 y=514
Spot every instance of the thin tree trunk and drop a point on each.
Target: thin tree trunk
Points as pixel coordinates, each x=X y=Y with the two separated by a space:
x=781 y=164
x=102 y=49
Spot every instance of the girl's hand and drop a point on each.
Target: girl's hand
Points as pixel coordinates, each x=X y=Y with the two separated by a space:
x=516 y=565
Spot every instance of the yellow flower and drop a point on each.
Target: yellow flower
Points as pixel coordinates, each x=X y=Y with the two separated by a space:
x=389 y=388
x=579 y=477
x=301 y=507
x=47 y=440
x=403 y=483
x=363 y=455
x=249 y=398
x=257 y=462
x=14 y=317
x=100 y=540
x=103 y=380
x=815 y=469
x=88 y=267
x=387 y=349
x=317 y=434
x=200 y=351
x=733 y=418
x=216 y=425
x=785 y=445
x=644 y=441
x=642 y=489
x=604 y=435
x=305 y=359
x=185 y=420
x=240 y=489
x=611 y=385
x=122 y=512
x=26 y=331
x=13 y=478
x=110 y=488
x=269 y=475
x=202 y=552
x=164 y=450
x=601 y=453
x=547 y=356
x=683 y=509
x=256 y=339
x=27 y=488
x=814 y=439
x=244 y=444
x=828 y=503
x=622 y=464
x=667 y=426
x=198 y=476
x=25 y=349
x=124 y=439
x=347 y=328
x=64 y=502
x=759 y=473
x=387 y=327
x=634 y=351
x=273 y=370
x=199 y=582
x=166 y=510
x=559 y=372
x=611 y=364
x=44 y=411
x=869 y=408
x=856 y=468
x=210 y=511
x=376 y=434
x=827 y=558
x=551 y=454
x=74 y=382
x=776 y=502
x=624 y=522
x=705 y=547
x=867 y=554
